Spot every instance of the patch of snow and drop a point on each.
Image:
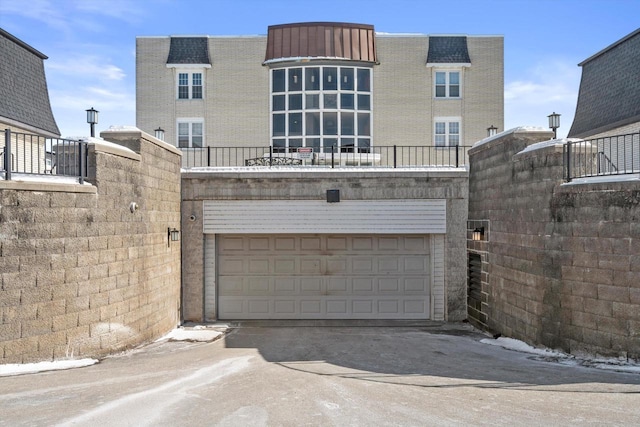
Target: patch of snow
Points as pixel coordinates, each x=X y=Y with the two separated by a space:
x=508 y=131
x=197 y=334
x=604 y=179
x=123 y=128
x=551 y=143
x=516 y=345
x=31 y=368
x=50 y=178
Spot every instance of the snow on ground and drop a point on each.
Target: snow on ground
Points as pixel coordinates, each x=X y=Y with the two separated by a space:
x=546 y=354
x=31 y=368
x=197 y=333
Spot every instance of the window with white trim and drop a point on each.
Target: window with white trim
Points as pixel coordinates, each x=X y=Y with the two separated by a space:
x=447 y=84
x=322 y=107
x=190 y=85
x=190 y=133
x=446 y=131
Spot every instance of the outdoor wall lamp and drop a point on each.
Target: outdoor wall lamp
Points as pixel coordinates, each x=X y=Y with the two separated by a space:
x=159 y=133
x=554 y=123
x=92 y=119
x=492 y=130
x=173 y=235
x=478 y=234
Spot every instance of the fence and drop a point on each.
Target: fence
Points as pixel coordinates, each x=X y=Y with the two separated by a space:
x=611 y=155
x=28 y=154
x=383 y=157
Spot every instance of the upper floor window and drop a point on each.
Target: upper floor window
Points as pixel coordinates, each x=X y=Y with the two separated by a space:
x=447 y=84
x=446 y=131
x=189 y=85
x=323 y=107
x=190 y=133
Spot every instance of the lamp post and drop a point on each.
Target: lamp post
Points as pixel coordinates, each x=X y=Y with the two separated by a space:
x=160 y=133
x=92 y=119
x=492 y=130
x=554 y=123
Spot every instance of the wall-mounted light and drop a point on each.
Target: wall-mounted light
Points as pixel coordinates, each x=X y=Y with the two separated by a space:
x=173 y=235
x=92 y=119
x=478 y=234
x=554 y=123
x=159 y=133
x=492 y=130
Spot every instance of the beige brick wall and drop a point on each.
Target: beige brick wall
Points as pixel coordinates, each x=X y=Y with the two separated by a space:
x=81 y=275
x=236 y=103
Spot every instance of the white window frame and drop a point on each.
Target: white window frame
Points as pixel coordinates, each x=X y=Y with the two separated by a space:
x=190 y=121
x=447 y=85
x=447 y=134
x=190 y=73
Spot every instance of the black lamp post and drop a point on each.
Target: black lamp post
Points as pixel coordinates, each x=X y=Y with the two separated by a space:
x=92 y=119
x=160 y=133
x=492 y=130
x=554 y=123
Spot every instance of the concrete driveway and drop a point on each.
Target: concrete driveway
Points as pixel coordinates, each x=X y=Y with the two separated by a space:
x=425 y=374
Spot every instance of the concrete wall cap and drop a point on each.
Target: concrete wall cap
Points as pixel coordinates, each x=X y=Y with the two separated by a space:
x=136 y=132
x=551 y=143
x=516 y=130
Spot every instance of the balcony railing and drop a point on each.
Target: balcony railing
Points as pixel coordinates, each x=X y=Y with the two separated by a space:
x=380 y=157
x=611 y=155
x=27 y=154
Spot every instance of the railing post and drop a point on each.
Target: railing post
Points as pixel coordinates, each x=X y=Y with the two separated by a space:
x=568 y=161
x=270 y=155
x=332 y=156
x=7 y=154
x=457 y=155
x=208 y=156
x=81 y=150
x=395 y=156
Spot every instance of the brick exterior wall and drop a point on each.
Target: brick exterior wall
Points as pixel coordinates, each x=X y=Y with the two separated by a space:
x=353 y=185
x=82 y=275
x=563 y=261
x=235 y=107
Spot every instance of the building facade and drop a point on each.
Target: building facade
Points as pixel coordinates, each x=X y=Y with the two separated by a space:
x=325 y=86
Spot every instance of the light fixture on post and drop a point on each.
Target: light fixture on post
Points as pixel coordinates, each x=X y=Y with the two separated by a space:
x=492 y=130
x=159 y=133
x=478 y=234
x=554 y=123
x=92 y=119
x=173 y=235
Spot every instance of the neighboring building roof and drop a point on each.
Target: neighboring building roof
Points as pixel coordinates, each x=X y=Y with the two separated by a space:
x=609 y=94
x=24 y=97
x=448 y=50
x=321 y=40
x=189 y=50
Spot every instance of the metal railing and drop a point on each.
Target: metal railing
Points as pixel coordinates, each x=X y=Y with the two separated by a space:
x=28 y=154
x=381 y=157
x=610 y=155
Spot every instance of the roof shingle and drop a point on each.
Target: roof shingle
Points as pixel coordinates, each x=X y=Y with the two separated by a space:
x=189 y=50
x=448 y=50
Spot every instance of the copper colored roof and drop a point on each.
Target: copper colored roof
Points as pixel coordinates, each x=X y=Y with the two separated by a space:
x=354 y=42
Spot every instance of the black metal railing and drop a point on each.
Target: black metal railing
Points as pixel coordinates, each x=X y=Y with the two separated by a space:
x=383 y=157
x=28 y=154
x=610 y=155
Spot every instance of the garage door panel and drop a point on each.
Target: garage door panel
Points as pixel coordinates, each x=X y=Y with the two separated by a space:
x=323 y=276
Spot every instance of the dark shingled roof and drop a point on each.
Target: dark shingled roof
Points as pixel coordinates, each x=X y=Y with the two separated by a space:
x=24 y=96
x=609 y=94
x=189 y=50
x=448 y=49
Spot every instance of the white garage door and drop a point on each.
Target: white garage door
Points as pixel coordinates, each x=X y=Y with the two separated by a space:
x=323 y=277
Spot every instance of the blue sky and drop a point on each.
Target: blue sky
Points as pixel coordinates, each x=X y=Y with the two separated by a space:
x=91 y=43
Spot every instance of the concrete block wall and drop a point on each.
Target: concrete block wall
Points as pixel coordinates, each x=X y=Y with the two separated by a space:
x=562 y=260
x=353 y=185
x=81 y=274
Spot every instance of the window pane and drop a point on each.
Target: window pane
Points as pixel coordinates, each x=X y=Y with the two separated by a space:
x=278 y=80
x=364 y=80
x=364 y=145
x=279 y=145
x=330 y=78
x=295 y=102
x=294 y=144
x=313 y=124
x=441 y=128
x=328 y=143
x=454 y=91
x=196 y=129
x=313 y=102
x=364 y=102
x=440 y=140
x=197 y=79
x=346 y=78
x=196 y=92
x=183 y=79
x=183 y=141
x=183 y=92
x=347 y=145
x=454 y=139
x=441 y=78
x=454 y=78
x=278 y=103
x=295 y=79
x=346 y=101
x=346 y=124
x=314 y=143
x=312 y=79
x=330 y=123
x=364 y=124
x=278 y=124
x=196 y=141
x=295 y=123
x=331 y=101
x=183 y=129
x=441 y=91
x=454 y=127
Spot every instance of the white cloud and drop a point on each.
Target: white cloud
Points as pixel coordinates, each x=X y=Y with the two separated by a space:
x=86 y=66
x=39 y=10
x=124 y=10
